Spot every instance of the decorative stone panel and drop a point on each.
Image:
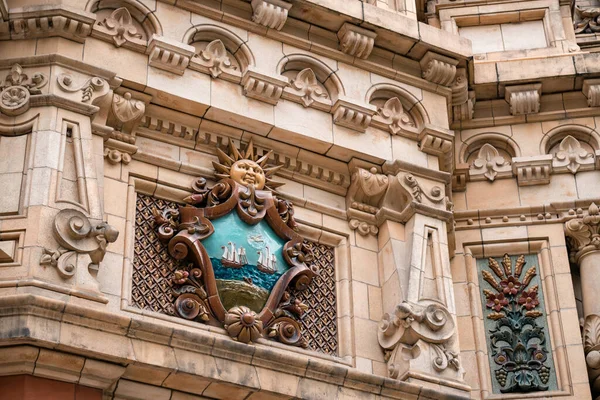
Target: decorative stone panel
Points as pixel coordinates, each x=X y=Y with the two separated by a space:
x=355 y=41
x=518 y=341
x=270 y=13
x=523 y=99
x=169 y=55
x=153 y=270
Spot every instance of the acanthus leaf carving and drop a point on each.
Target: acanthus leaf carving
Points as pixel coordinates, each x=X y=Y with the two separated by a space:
x=307 y=87
x=215 y=58
x=17 y=88
x=119 y=25
x=489 y=163
x=571 y=155
x=584 y=232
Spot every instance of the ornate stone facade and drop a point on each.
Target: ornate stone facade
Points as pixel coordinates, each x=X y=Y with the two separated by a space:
x=271 y=199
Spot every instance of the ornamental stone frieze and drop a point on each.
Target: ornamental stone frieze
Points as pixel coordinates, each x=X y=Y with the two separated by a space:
x=308 y=91
x=78 y=236
x=50 y=21
x=270 y=13
x=239 y=278
x=524 y=99
x=17 y=88
x=356 y=41
x=438 y=69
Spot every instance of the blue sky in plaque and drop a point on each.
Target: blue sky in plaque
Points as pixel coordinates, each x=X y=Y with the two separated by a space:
x=238 y=243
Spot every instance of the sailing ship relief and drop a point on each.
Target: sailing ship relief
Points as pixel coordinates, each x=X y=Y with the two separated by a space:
x=233 y=258
x=267 y=263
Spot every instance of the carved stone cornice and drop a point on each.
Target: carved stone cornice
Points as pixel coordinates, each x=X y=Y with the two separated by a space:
x=263 y=87
x=438 y=69
x=532 y=170
x=17 y=88
x=584 y=233
x=270 y=13
x=347 y=112
x=591 y=90
x=169 y=55
x=523 y=99
x=356 y=41
x=51 y=20
x=215 y=61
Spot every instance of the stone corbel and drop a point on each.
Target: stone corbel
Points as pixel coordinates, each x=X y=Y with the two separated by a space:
x=270 y=13
x=356 y=41
x=364 y=198
x=463 y=101
x=78 y=236
x=41 y=21
x=438 y=69
x=347 y=112
x=591 y=90
x=419 y=338
x=460 y=177
x=263 y=87
x=523 y=99
x=532 y=170
x=438 y=142
x=17 y=88
x=169 y=55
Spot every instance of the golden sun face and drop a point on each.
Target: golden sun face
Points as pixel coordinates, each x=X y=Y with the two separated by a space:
x=245 y=168
x=247 y=172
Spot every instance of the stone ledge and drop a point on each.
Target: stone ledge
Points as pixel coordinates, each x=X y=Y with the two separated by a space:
x=75 y=329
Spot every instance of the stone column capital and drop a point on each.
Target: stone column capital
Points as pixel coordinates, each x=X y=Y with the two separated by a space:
x=584 y=233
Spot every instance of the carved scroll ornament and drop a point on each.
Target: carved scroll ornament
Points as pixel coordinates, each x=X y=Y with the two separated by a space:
x=232 y=286
x=411 y=329
x=17 y=88
x=78 y=235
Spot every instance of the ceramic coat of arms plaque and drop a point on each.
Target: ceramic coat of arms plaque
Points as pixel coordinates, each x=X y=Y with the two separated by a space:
x=243 y=251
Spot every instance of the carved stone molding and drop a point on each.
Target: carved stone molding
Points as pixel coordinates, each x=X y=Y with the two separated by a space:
x=591 y=90
x=346 y=112
x=306 y=90
x=364 y=199
x=572 y=157
x=215 y=61
x=524 y=99
x=532 y=170
x=78 y=235
x=584 y=233
x=91 y=88
x=270 y=13
x=263 y=87
x=438 y=69
x=356 y=41
x=64 y=21
x=489 y=165
x=417 y=335
x=119 y=28
x=17 y=88
x=169 y=55
x=393 y=118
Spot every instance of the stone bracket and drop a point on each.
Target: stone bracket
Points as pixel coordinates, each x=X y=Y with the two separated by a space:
x=437 y=142
x=532 y=170
x=356 y=41
x=523 y=99
x=347 y=112
x=270 y=13
x=591 y=90
x=267 y=88
x=47 y=21
x=169 y=55
x=438 y=69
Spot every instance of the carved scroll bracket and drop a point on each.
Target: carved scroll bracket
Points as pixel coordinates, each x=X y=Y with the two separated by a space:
x=270 y=13
x=77 y=235
x=356 y=41
x=438 y=69
x=524 y=99
x=419 y=337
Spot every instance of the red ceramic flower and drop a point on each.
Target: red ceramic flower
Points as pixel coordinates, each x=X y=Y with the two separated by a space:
x=496 y=301
x=529 y=299
x=510 y=285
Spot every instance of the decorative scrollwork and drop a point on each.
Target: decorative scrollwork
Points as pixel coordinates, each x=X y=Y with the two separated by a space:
x=165 y=220
x=435 y=194
x=17 y=88
x=88 y=88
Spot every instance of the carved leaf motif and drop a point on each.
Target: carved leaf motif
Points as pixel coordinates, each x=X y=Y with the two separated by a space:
x=307 y=84
x=120 y=25
x=393 y=112
x=127 y=109
x=215 y=55
x=571 y=153
x=591 y=333
x=489 y=161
